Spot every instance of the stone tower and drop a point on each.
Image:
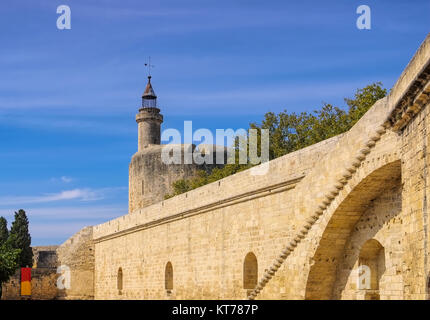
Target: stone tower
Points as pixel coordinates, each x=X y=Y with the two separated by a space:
x=149 y=119
x=150 y=179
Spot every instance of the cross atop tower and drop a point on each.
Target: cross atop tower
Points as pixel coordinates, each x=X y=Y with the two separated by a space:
x=149 y=65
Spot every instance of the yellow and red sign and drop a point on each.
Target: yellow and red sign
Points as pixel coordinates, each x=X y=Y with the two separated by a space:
x=25 y=281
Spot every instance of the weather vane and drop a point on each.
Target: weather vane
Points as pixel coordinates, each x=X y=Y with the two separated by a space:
x=149 y=65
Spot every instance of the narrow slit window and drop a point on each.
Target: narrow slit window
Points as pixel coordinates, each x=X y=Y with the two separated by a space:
x=168 y=276
x=120 y=281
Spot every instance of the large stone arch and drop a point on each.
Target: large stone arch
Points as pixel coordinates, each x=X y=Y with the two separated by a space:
x=372 y=178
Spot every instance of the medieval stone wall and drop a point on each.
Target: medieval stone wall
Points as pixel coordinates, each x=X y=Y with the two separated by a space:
x=74 y=259
x=43 y=285
x=43 y=277
x=205 y=234
x=77 y=255
x=415 y=160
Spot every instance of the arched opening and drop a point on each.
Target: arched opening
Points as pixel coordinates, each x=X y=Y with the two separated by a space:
x=119 y=283
x=371 y=264
x=250 y=271
x=320 y=284
x=168 y=277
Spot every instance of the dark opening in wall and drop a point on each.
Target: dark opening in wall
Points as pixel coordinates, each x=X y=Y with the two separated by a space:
x=250 y=271
x=120 y=281
x=168 y=277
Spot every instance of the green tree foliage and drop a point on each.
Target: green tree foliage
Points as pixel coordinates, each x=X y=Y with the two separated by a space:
x=289 y=132
x=4 y=233
x=363 y=100
x=9 y=260
x=21 y=239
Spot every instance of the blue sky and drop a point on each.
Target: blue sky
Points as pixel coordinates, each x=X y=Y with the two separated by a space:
x=68 y=98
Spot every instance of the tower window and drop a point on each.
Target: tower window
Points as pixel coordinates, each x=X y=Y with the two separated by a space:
x=143 y=187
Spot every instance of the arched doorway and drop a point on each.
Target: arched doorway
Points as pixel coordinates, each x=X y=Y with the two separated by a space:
x=250 y=271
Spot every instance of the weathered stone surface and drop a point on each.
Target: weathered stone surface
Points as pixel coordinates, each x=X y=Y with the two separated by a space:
x=150 y=179
x=43 y=276
x=77 y=254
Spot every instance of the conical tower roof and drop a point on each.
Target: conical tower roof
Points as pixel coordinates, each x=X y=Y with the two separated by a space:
x=149 y=91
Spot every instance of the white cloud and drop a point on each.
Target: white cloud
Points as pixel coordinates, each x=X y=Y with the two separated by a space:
x=99 y=214
x=75 y=194
x=53 y=225
x=66 y=179
x=56 y=124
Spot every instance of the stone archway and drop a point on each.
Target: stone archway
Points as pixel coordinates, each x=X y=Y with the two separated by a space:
x=339 y=224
